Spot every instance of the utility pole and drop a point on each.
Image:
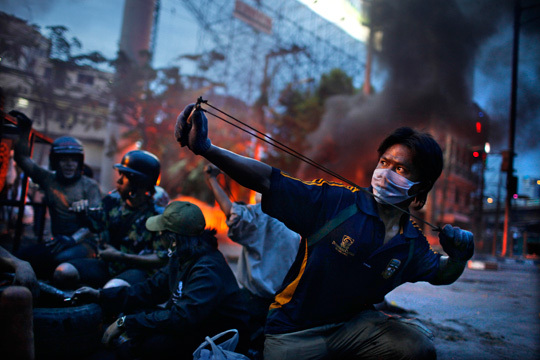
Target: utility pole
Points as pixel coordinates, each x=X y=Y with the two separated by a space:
x=506 y=247
x=496 y=221
x=135 y=41
x=481 y=202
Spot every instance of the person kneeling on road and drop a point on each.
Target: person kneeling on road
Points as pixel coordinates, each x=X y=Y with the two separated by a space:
x=357 y=246
x=202 y=295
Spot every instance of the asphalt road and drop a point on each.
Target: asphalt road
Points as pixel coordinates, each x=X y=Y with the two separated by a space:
x=486 y=314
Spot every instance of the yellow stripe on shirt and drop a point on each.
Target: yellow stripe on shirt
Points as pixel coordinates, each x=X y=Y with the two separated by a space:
x=320 y=182
x=286 y=295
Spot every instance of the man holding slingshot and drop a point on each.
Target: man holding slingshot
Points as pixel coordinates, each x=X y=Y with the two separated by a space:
x=357 y=245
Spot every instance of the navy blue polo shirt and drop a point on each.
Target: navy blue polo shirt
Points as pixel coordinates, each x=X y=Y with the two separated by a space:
x=347 y=269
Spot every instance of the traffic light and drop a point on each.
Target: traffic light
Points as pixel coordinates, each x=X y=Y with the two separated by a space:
x=480 y=152
x=480 y=155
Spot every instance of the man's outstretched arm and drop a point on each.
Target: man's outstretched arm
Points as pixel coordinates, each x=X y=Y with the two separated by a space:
x=248 y=172
x=449 y=271
x=192 y=131
x=459 y=245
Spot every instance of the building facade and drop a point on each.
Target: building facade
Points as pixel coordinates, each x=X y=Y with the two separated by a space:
x=60 y=96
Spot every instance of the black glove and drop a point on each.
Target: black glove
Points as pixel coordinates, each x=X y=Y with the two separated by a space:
x=197 y=140
x=23 y=121
x=181 y=131
x=457 y=243
x=60 y=243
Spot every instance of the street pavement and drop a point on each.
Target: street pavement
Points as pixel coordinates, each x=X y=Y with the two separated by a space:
x=486 y=314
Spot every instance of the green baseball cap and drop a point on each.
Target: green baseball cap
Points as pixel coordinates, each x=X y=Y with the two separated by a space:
x=180 y=217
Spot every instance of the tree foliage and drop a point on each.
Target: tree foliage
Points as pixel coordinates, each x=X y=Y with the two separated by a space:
x=336 y=82
x=13 y=42
x=148 y=102
x=302 y=115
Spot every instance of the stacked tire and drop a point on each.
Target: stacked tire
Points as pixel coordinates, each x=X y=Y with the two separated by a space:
x=70 y=332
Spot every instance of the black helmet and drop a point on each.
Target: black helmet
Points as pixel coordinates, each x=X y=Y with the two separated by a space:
x=141 y=167
x=65 y=145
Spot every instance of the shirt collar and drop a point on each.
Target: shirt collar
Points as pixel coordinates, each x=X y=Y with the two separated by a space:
x=411 y=229
x=368 y=204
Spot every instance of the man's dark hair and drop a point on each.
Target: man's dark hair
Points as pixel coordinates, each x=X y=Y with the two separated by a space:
x=192 y=247
x=427 y=156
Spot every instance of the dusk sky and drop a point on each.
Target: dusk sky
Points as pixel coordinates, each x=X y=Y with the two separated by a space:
x=97 y=24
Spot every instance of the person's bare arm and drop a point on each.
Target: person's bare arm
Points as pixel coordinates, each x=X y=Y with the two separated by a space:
x=210 y=173
x=248 y=172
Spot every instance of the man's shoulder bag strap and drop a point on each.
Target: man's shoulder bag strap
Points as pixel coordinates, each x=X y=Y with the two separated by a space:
x=332 y=224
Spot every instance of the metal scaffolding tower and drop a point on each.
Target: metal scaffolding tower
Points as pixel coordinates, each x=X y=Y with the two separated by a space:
x=263 y=45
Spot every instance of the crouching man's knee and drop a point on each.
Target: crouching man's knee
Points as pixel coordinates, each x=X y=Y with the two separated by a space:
x=116 y=283
x=412 y=340
x=375 y=335
x=66 y=276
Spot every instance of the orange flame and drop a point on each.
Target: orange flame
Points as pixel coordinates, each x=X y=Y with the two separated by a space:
x=213 y=215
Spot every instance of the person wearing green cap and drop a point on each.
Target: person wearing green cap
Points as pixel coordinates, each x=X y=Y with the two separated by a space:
x=200 y=290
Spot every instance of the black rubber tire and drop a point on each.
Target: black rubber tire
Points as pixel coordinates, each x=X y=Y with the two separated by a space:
x=71 y=332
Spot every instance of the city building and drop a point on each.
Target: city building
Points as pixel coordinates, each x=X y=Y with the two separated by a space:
x=60 y=96
x=529 y=188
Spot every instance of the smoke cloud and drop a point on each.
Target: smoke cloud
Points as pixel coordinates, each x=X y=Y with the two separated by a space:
x=431 y=51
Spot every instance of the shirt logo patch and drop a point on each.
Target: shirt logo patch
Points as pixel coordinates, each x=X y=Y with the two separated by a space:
x=391 y=268
x=346 y=243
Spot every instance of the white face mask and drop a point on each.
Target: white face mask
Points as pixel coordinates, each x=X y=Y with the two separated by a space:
x=390 y=186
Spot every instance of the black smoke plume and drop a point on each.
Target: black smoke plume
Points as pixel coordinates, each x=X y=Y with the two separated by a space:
x=429 y=51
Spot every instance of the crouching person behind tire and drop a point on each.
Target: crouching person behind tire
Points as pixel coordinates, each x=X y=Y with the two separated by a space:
x=202 y=295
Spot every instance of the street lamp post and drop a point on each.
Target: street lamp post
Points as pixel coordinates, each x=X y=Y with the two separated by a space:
x=496 y=221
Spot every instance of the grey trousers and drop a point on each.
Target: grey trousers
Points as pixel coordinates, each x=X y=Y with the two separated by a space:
x=369 y=335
